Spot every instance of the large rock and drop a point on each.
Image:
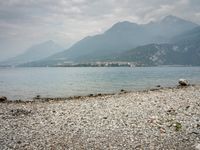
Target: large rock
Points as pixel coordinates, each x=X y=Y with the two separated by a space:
x=183 y=82
x=3 y=99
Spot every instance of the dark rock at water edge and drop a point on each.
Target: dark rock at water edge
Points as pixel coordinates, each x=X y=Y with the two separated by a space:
x=3 y=99
x=37 y=97
x=90 y=95
x=122 y=90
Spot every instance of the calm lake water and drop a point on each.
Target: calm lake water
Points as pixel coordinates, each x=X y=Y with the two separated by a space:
x=26 y=83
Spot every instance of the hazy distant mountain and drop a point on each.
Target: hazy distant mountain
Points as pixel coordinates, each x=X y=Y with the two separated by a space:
x=168 y=27
x=184 y=50
x=34 y=53
x=119 y=38
x=191 y=37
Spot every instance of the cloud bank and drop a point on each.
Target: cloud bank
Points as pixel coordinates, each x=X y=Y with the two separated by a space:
x=26 y=22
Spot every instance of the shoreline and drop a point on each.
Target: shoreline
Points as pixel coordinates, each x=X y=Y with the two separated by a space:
x=38 y=98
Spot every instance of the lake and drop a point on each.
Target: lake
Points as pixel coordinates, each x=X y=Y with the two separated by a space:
x=26 y=83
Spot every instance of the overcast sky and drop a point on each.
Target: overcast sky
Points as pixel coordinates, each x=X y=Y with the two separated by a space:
x=27 y=22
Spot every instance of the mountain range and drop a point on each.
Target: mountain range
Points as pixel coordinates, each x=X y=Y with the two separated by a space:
x=170 y=41
x=182 y=50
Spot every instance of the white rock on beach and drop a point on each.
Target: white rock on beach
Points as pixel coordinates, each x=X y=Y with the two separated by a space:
x=183 y=82
x=197 y=147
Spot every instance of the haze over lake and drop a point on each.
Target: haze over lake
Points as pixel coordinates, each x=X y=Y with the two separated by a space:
x=26 y=83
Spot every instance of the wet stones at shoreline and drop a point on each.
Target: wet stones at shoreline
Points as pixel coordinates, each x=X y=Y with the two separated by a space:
x=122 y=91
x=38 y=98
x=19 y=112
x=43 y=99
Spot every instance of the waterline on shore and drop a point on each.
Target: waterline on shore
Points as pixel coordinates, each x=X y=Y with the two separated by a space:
x=38 y=98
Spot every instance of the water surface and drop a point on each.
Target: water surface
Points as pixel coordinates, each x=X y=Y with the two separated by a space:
x=26 y=83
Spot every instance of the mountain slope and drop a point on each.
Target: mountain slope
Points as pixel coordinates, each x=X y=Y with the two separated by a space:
x=121 y=37
x=34 y=53
x=169 y=27
x=118 y=38
x=184 y=50
x=191 y=37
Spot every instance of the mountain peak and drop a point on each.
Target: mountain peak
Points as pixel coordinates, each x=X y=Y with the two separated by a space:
x=124 y=25
x=171 y=19
x=174 y=19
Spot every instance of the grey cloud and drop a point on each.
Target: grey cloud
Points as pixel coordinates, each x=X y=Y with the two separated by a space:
x=25 y=22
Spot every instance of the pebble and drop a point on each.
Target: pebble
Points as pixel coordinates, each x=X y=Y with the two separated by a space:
x=197 y=146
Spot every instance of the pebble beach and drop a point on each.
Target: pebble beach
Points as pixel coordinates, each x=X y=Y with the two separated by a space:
x=165 y=118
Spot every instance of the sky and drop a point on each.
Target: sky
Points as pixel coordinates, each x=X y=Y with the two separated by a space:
x=27 y=22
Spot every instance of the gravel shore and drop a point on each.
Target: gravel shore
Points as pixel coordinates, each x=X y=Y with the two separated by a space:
x=167 y=118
